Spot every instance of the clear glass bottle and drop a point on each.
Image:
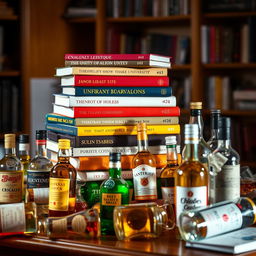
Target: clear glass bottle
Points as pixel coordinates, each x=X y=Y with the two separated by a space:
x=62 y=183
x=144 y=168
x=167 y=173
x=11 y=173
x=113 y=192
x=227 y=179
x=191 y=177
x=217 y=219
x=80 y=202
x=38 y=173
x=24 y=152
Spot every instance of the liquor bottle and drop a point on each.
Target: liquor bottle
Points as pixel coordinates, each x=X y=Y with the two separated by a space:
x=80 y=224
x=62 y=183
x=213 y=141
x=91 y=192
x=113 y=192
x=80 y=202
x=191 y=177
x=167 y=173
x=11 y=173
x=217 y=219
x=227 y=180
x=136 y=221
x=38 y=172
x=144 y=168
x=24 y=152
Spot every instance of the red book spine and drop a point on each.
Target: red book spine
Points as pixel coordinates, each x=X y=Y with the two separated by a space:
x=212 y=44
x=120 y=81
x=125 y=111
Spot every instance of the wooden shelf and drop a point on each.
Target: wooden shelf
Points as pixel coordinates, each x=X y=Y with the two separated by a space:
x=229 y=15
x=181 y=67
x=9 y=17
x=81 y=20
x=230 y=66
x=248 y=163
x=9 y=73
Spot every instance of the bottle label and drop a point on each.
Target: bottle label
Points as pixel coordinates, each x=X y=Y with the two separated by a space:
x=37 y=179
x=58 y=226
x=227 y=186
x=222 y=219
x=24 y=147
x=144 y=179
x=11 y=186
x=59 y=194
x=79 y=224
x=12 y=217
x=41 y=195
x=188 y=198
x=216 y=161
x=111 y=199
x=168 y=193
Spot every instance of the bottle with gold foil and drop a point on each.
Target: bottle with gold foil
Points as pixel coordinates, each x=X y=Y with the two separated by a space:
x=191 y=177
x=11 y=173
x=113 y=192
x=62 y=183
x=144 y=168
x=167 y=173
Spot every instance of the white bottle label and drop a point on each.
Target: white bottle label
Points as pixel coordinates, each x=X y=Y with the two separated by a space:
x=12 y=217
x=41 y=195
x=168 y=193
x=188 y=198
x=227 y=185
x=144 y=179
x=222 y=219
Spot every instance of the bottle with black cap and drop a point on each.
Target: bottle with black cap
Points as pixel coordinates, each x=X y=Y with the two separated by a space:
x=24 y=152
x=113 y=192
x=227 y=180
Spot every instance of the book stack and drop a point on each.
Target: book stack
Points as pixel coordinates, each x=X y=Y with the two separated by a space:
x=103 y=97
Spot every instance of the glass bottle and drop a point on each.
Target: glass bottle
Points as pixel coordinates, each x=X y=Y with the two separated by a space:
x=80 y=202
x=191 y=177
x=113 y=192
x=144 y=168
x=62 y=183
x=217 y=219
x=11 y=173
x=227 y=179
x=24 y=153
x=167 y=173
x=91 y=192
x=38 y=172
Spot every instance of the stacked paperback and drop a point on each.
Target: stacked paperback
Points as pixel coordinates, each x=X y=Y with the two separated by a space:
x=103 y=97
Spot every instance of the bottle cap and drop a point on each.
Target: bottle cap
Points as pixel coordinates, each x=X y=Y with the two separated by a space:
x=196 y=105
x=141 y=127
x=24 y=138
x=64 y=144
x=215 y=116
x=9 y=140
x=215 y=111
x=40 y=134
x=114 y=157
x=224 y=124
x=170 y=140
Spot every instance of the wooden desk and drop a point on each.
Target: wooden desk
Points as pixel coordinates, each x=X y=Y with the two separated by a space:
x=167 y=244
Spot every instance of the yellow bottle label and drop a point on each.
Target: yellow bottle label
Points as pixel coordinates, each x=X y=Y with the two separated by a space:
x=111 y=199
x=59 y=194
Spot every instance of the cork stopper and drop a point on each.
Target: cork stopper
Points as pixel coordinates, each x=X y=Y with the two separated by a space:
x=9 y=140
x=141 y=127
x=142 y=131
x=196 y=105
x=64 y=144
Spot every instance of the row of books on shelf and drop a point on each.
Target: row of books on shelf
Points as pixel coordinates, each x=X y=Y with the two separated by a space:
x=226 y=44
x=140 y=8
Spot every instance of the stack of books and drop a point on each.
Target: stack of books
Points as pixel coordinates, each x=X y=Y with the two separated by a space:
x=103 y=97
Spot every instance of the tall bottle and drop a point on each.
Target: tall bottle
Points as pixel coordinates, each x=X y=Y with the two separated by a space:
x=215 y=116
x=38 y=172
x=144 y=168
x=11 y=173
x=62 y=183
x=217 y=219
x=167 y=173
x=24 y=152
x=113 y=192
x=227 y=180
x=191 y=178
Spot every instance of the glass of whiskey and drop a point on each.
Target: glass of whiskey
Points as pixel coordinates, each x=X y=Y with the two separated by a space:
x=143 y=220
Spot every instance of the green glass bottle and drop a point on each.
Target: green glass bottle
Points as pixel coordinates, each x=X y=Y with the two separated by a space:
x=91 y=192
x=113 y=192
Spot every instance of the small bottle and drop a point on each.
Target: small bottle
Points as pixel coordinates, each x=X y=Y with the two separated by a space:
x=11 y=173
x=167 y=173
x=81 y=204
x=38 y=172
x=227 y=180
x=81 y=224
x=62 y=183
x=24 y=152
x=191 y=177
x=217 y=219
x=144 y=168
x=113 y=192
x=143 y=220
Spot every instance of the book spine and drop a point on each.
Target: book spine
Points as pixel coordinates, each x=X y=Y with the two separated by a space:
x=82 y=101
x=119 y=81
x=52 y=118
x=121 y=92
x=112 y=130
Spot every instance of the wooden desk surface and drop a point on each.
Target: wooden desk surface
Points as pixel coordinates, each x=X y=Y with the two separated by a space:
x=167 y=244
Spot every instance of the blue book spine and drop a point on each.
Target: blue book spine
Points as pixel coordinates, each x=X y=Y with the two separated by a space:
x=61 y=128
x=123 y=91
x=53 y=118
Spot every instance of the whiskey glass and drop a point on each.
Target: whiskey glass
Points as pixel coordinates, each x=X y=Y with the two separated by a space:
x=143 y=220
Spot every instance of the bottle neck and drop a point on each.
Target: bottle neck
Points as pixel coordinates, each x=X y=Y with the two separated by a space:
x=63 y=155
x=191 y=151
x=172 y=156
x=23 y=149
x=143 y=145
x=115 y=169
x=224 y=137
x=214 y=134
x=10 y=151
x=196 y=118
x=224 y=143
x=41 y=149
